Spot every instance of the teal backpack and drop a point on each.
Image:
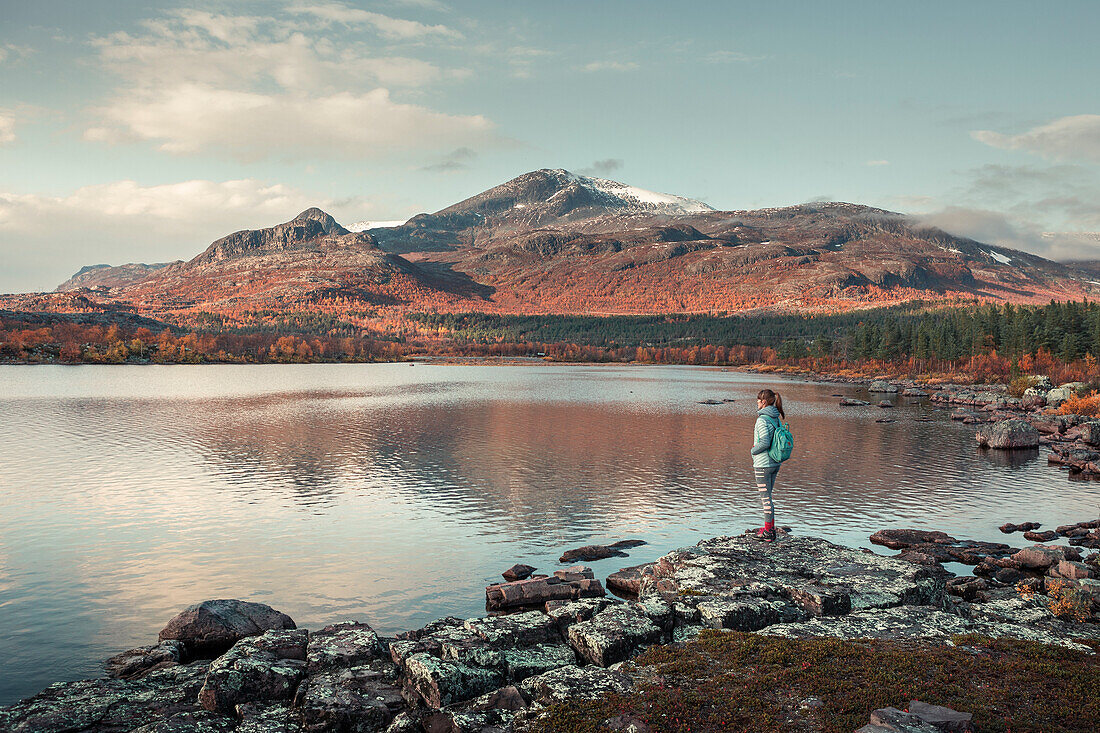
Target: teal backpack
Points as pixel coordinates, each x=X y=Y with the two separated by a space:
x=782 y=441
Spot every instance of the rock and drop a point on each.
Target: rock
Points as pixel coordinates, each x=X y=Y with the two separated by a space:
x=211 y=627
x=886 y=403
x=896 y=721
x=575 y=683
x=506 y=698
x=136 y=663
x=1008 y=576
x=261 y=668
x=576 y=611
x=107 y=704
x=200 y=721
x=612 y=635
x=1047 y=536
x=944 y=719
x=353 y=699
x=1090 y=433
x=851 y=402
x=913 y=392
x=627 y=723
x=537 y=591
x=885 y=420
x=574 y=573
x=746 y=613
x=628 y=581
x=710 y=402
x=347 y=644
x=880 y=385
x=966 y=588
x=1071 y=570
x=518 y=572
x=1090 y=540
x=589 y=553
x=1008 y=435
x=1025 y=527
x=900 y=539
x=517 y=629
x=1058 y=395
x=1073 y=530
x=1039 y=557
x=267 y=718
x=439 y=682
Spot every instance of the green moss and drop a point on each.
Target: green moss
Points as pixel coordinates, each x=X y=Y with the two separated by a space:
x=729 y=681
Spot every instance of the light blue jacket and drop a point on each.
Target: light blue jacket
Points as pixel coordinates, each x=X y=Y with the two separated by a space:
x=762 y=437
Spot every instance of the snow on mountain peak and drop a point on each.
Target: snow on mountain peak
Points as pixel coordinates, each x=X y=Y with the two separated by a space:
x=634 y=197
x=362 y=226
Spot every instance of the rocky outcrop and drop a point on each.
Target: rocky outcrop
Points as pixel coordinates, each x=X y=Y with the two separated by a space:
x=211 y=627
x=882 y=386
x=264 y=668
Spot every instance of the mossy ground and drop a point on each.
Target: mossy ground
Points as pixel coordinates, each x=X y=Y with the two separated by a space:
x=727 y=681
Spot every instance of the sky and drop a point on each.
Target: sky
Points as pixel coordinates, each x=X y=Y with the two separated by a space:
x=142 y=131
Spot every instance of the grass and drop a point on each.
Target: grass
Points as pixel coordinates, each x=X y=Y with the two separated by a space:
x=731 y=681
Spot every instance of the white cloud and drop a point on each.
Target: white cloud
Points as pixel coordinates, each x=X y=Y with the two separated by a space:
x=877 y=162
x=610 y=66
x=731 y=57
x=393 y=28
x=1067 y=138
x=255 y=87
x=7 y=127
x=44 y=239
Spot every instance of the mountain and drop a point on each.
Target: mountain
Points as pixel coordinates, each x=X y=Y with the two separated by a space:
x=550 y=241
x=108 y=276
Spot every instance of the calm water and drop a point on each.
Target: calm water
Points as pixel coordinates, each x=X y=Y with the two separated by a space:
x=392 y=494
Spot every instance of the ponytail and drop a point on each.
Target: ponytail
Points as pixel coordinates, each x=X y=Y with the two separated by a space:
x=772 y=398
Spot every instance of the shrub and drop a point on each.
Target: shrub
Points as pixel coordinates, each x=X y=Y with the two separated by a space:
x=1017 y=386
x=1088 y=405
x=1067 y=602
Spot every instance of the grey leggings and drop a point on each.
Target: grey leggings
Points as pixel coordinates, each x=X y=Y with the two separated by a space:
x=765 y=480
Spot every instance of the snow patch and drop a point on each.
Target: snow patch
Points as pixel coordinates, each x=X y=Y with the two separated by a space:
x=999 y=257
x=640 y=198
x=951 y=249
x=362 y=226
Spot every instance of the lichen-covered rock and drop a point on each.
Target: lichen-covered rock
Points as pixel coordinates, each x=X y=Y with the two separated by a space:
x=136 y=663
x=347 y=644
x=880 y=385
x=440 y=682
x=892 y=720
x=257 y=669
x=575 y=611
x=201 y=721
x=942 y=718
x=612 y=635
x=746 y=613
x=267 y=718
x=900 y=539
x=537 y=591
x=1009 y=434
x=523 y=662
x=1090 y=433
x=575 y=683
x=211 y=627
x=628 y=581
x=517 y=629
x=354 y=700
x=107 y=704
x=1039 y=557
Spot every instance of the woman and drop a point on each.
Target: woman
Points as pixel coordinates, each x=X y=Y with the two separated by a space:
x=769 y=410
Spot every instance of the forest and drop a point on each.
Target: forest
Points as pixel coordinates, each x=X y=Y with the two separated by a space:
x=982 y=342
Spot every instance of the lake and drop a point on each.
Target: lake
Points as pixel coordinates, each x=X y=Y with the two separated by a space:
x=392 y=493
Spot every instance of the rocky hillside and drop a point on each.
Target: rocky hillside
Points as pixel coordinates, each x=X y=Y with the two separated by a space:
x=550 y=241
x=109 y=276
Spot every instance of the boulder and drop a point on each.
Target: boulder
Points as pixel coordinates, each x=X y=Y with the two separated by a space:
x=575 y=683
x=261 y=668
x=576 y=611
x=136 y=663
x=880 y=385
x=211 y=627
x=897 y=721
x=268 y=718
x=966 y=588
x=440 y=682
x=1039 y=557
x=518 y=572
x=628 y=581
x=944 y=719
x=589 y=553
x=913 y=392
x=1047 y=536
x=886 y=404
x=537 y=591
x=1025 y=527
x=354 y=699
x=342 y=645
x=1008 y=435
x=1071 y=570
x=851 y=402
x=613 y=635
x=1058 y=395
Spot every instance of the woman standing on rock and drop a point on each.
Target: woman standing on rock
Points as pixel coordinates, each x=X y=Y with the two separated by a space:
x=769 y=410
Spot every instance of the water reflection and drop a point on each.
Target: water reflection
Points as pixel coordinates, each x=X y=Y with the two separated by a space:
x=393 y=494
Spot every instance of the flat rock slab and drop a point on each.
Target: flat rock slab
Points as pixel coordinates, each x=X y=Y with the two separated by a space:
x=136 y=663
x=589 y=553
x=575 y=683
x=211 y=627
x=613 y=635
x=347 y=644
x=805 y=574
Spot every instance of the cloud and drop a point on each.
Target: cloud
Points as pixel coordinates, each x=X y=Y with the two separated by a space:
x=7 y=127
x=602 y=167
x=393 y=28
x=1068 y=138
x=874 y=163
x=44 y=239
x=610 y=66
x=253 y=87
x=456 y=160
x=731 y=57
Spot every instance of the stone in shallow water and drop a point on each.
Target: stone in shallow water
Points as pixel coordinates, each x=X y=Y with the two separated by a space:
x=211 y=627
x=518 y=571
x=257 y=669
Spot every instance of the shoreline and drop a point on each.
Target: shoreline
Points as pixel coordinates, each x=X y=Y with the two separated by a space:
x=565 y=643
